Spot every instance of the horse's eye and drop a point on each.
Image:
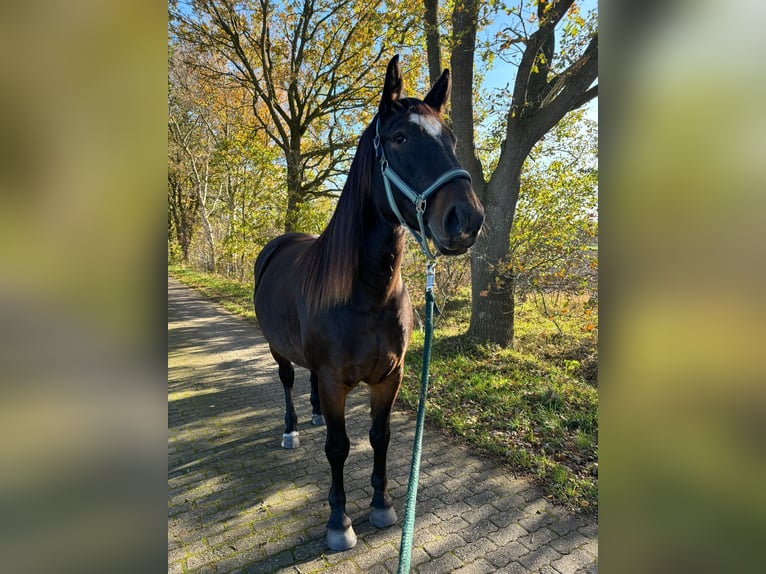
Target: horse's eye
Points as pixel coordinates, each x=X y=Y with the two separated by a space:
x=399 y=139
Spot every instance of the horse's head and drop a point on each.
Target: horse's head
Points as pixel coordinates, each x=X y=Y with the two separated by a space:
x=425 y=183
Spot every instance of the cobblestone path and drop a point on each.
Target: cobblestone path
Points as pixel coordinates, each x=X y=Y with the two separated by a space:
x=237 y=502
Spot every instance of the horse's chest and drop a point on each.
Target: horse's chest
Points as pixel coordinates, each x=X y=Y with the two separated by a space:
x=366 y=346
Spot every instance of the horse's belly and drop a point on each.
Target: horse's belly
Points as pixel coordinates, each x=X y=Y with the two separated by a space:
x=281 y=330
x=282 y=343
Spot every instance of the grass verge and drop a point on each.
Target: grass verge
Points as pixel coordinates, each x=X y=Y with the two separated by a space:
x=533 y=407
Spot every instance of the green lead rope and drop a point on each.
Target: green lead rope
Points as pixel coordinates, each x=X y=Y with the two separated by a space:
x=405 y=553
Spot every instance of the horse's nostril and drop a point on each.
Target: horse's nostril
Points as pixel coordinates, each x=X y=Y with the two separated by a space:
x=452 y=222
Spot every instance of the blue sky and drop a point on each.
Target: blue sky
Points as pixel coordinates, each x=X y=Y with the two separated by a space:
x=503 y=72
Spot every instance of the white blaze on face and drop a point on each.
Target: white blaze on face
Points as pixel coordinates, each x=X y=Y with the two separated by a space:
x=430 y=124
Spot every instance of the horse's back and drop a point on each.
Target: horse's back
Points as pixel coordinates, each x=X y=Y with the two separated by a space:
x=288 y=241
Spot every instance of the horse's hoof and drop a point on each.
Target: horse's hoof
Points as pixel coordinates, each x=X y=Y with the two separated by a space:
x=383 y=517
x=291 y=440
x=317 y=420
x=341 y=539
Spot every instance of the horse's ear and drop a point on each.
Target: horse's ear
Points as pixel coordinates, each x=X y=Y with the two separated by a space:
x=392 y=88
x=439 y=94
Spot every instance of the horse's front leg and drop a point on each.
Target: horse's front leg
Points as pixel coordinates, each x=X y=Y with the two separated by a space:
x=382 y=396
x=332 y=395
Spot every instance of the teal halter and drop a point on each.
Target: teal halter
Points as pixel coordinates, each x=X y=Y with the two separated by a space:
x=418 y=199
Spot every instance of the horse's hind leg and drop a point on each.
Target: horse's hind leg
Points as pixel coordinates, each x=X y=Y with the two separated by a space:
x=316 y=410
x=287 y=376
x=382 y=396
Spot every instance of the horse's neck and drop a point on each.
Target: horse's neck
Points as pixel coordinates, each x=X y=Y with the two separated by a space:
x=381 y=258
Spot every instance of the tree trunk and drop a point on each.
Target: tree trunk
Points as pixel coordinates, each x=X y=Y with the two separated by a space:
x=461 y=64
x=207 y=230
x=492 y=279
x=433 y=49
x=294 y=182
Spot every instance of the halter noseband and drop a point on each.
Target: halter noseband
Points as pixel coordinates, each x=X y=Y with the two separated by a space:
x=418 y=199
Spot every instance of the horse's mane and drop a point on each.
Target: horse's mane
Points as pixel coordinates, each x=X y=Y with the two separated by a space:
x=330 y=265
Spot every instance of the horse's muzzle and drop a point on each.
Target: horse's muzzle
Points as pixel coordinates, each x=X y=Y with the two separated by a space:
x=460 y=226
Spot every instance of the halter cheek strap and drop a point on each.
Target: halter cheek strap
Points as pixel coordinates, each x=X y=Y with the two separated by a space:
x=418 y=199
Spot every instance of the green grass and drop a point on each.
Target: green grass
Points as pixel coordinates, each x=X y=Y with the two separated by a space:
x=515 y=405
x=533 y=407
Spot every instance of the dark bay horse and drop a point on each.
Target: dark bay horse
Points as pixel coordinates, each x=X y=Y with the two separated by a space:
x=336 y=304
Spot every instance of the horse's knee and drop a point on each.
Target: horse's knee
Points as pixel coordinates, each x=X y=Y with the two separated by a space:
x=337 y=450
x=380 y=438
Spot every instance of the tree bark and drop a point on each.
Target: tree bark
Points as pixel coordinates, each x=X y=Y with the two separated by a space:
x=433 y=48
x=464 y=23
x=183 y=212
x=492 y=279
x=295 y=197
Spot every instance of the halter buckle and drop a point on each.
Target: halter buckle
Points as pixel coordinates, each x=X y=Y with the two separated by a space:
x=420 y=204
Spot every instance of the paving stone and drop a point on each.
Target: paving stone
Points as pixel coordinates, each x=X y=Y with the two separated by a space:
x=512 y=568
x=473 y=550
x=567 y=524
x=444 y=544
x=445 y=563
x=237 y=562
x=481 y=529
x=200 y=562
x=538 y=537
x=539 y=557
x=589 y=530
x=537 y=521
x=481 y=566
x=229 y=536
x=573 y=562
x=375 y=556
x=509 y=534
x=568 y=542
x=270 y=563
x=591 y=547
x=451 y=526
x=418 y=556
x=507 y=554
x=310 y=550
